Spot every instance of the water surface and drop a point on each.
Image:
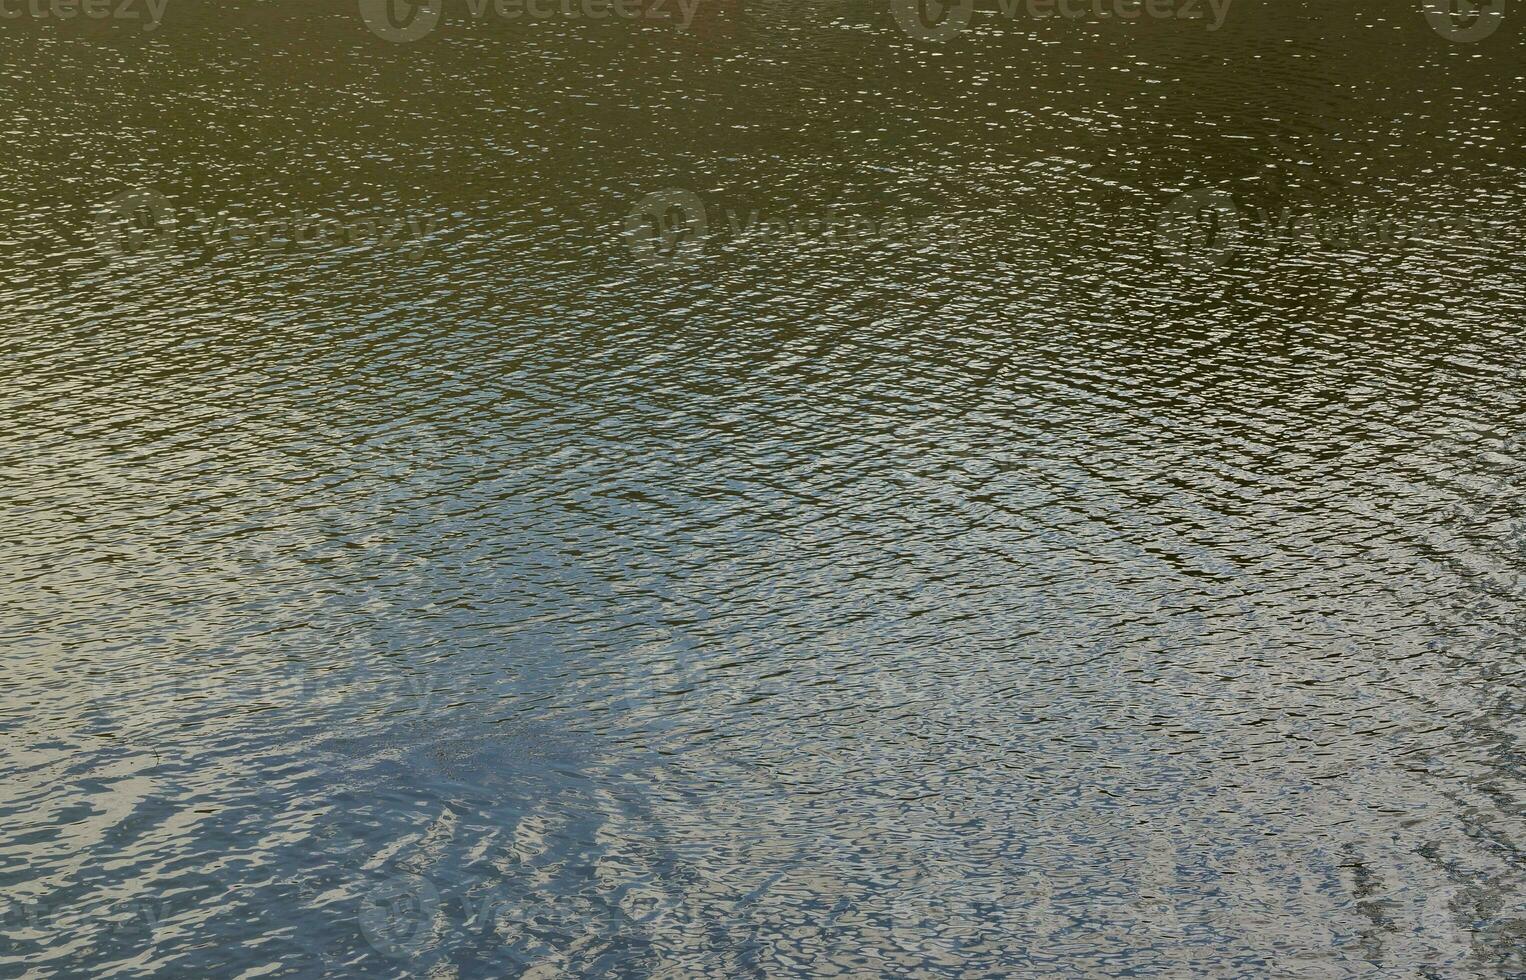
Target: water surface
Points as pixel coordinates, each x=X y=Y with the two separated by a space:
x=1057 y=575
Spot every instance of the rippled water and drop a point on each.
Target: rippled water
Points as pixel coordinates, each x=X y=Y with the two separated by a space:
x=1079 y=535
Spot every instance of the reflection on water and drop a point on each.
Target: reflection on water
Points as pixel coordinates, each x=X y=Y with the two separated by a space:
x=764 y=495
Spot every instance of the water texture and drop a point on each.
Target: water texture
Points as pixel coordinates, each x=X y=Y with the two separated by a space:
x=757 y=489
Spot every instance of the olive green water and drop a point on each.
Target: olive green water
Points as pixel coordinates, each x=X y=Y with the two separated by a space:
x=1079 y=535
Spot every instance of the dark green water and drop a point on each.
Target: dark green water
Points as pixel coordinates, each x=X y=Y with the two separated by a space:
x=1072 y=529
